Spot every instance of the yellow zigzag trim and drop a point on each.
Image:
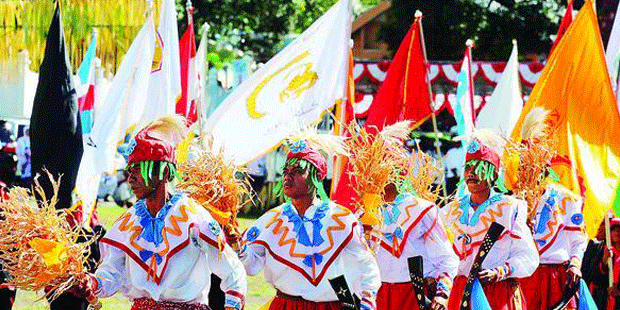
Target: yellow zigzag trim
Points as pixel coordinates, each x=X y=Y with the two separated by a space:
x=488 y=219
x=341 y=226
x=283 y=241
x=125 y=225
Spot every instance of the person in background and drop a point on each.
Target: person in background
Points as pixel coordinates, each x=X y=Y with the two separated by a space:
x=24 y=158
x=593 y=276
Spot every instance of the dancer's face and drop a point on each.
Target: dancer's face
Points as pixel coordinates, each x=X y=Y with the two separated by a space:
x=474 y=184
x=295 y=181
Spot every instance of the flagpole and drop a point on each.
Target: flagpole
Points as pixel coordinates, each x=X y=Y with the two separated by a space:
x=418 y=15
x=608 y=244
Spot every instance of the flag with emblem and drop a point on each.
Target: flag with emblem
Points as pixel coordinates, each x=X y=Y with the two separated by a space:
x=289 y=92
x=576 y=89
x=165 y=80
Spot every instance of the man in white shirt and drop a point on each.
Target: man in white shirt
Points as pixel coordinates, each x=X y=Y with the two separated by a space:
x=303 y=243
x=161 y=252
x=514 y=254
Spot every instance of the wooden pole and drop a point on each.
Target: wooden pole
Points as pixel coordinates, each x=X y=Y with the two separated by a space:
x=608 y=244
x=418 y=15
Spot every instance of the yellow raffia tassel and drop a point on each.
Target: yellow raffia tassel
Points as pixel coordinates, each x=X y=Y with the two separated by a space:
x=53 y=253
x=183 y=147
x=38 y=247
x=371 y=204
x=215 y=183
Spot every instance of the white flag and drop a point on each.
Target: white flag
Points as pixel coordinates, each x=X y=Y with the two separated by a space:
x=125 y=102
x=165 y=80
x=612 y=55
x=202 y=73
x=289 y=92
x=504 y=107
x=464 y=105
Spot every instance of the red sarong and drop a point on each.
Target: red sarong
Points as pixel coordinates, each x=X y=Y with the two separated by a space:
x=396 y=296
x=150 y=304
x=544 y=288
x=287 y=302
x=503 y=295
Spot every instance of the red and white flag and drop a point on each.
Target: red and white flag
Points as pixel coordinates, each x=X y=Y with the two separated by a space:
x=190 y=83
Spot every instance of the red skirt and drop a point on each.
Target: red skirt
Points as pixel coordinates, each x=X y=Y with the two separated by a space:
x=150 y=304
x=544 y=288
x=503 y=295
x=396 y=296
x=287 y=302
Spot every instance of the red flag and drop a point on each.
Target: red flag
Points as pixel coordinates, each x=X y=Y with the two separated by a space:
x=566 y=20
x=186 y=105
x=404 y=94
x=343 y=193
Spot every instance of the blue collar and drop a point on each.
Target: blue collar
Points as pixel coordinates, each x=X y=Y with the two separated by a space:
x=300 y=229
x=152 y=227
x=465 y=204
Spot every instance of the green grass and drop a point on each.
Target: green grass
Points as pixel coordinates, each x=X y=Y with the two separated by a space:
x=259 y=291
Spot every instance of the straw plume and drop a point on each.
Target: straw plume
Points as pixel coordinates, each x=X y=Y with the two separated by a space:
x=38 y=247
x=533 y=153
x=217 y=184
x=422 y=170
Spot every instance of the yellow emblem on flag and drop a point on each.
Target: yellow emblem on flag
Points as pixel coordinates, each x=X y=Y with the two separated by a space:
x=298 y=79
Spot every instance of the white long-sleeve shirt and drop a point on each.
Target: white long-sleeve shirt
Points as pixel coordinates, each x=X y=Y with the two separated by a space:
x=412 y=227
x=558 y=229
x=169 y=257
x=514 y=250
x=23 y=153
x=299 y=254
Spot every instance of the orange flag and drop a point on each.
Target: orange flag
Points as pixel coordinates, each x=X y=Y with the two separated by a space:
x=575 y=87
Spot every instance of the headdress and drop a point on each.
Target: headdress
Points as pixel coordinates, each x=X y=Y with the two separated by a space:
x=155 y=146
x=305 y=149
x=483 y=155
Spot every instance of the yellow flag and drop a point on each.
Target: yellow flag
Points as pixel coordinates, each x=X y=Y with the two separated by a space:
x=576 y=88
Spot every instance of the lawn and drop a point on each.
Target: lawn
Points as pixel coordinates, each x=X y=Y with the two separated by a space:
x=258 y=291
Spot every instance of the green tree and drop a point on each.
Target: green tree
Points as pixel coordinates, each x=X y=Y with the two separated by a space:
x=491 y=24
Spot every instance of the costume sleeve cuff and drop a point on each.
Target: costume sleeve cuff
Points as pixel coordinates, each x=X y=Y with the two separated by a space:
x=367 y=302
x=503 y=271
x=574 y=262
x=444 y=285
x=235 y=300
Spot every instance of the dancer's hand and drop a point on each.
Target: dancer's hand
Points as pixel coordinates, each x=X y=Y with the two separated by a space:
x=86 y=286
x=439 y=303
x=574 y=275
x=488 y=275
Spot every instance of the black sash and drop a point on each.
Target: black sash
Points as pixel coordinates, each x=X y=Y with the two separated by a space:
x=345 y=296
x=416 y=273
x=489 y=240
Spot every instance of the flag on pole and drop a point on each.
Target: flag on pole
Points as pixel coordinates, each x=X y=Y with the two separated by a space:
x=340 y=186
x=504 y=107
x=575 y=87
x=87 y=73
x=125 y=105
x=289 y=92
x=165 y=80
x=56 y=134
x=190 y=84
x=202 y=73
x=613 y=54
x=566 y=21
x=404 y=94
x=464 y=105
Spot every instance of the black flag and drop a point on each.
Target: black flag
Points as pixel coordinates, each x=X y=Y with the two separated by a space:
x=56 y=134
